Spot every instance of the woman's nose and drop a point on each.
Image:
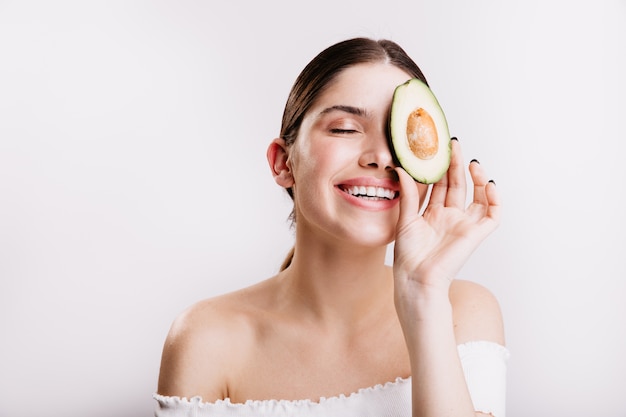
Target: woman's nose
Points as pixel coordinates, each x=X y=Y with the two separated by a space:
x=377 y=154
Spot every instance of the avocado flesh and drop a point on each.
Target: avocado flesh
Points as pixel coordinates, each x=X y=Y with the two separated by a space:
x=419 y=136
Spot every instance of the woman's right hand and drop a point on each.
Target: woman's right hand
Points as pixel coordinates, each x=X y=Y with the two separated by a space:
x=431 y=248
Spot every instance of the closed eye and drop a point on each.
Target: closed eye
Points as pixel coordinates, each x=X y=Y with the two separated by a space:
x=343 y=131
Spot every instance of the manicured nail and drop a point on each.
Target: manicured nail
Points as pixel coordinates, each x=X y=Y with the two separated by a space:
x=493 y=182
x=474 y=160
x=454 y=138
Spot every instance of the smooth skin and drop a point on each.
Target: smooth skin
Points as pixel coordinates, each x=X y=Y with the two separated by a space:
x=339 y=319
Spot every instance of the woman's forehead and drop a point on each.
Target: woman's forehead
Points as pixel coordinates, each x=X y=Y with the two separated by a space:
x=368 y=87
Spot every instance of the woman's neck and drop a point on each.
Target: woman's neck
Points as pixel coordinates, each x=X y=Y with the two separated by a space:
x=338 y=283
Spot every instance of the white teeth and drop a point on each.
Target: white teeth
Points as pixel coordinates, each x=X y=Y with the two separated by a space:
x=375 y=192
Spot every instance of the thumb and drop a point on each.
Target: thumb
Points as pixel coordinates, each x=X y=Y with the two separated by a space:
x=409 y=198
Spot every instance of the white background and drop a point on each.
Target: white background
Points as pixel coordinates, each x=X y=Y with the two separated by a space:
x=133 y=180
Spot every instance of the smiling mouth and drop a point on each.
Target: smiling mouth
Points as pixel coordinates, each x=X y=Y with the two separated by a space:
x=369 y=192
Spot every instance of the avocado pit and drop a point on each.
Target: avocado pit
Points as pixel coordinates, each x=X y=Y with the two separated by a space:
x=421 y=134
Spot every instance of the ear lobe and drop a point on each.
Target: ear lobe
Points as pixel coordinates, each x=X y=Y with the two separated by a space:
x=278 y=159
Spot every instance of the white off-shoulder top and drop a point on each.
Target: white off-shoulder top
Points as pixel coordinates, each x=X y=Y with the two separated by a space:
x=484 y=366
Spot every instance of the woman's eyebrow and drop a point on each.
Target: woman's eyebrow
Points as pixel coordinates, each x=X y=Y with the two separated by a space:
x=357 y=111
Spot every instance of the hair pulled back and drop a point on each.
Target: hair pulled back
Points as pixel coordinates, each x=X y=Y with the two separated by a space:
x=319 y=73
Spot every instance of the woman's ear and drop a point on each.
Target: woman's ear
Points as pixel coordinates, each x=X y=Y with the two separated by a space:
x=278 y=158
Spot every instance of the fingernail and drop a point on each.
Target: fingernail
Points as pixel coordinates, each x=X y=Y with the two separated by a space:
x=474 y=160
x=493 y=182
x=454 y=138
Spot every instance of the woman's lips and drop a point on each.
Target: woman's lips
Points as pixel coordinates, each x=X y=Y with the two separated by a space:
x=370 y=193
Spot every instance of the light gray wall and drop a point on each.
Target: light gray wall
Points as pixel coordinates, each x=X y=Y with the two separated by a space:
x=133 y=180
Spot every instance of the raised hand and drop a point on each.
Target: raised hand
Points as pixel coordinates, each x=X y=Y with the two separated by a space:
x=432 y=247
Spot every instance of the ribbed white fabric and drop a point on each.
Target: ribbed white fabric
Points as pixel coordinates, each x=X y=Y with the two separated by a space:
x=484 y=365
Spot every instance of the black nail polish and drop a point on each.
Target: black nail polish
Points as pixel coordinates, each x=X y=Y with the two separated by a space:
x=454 y=138
x=493 y=182
x=474 y=160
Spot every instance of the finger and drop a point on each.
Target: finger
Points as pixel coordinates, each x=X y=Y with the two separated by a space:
x=456 y=183
x=486 y=204
x=480 y=179
x=450 y=190
x=439 y=191
x=489 y=215
x=494 y=204
x=409 y=197
x=440 y=188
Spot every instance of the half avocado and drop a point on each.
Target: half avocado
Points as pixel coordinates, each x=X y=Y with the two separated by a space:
x=419 y=136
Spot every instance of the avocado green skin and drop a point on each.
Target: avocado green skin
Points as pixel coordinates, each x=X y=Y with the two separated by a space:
x=407 y=97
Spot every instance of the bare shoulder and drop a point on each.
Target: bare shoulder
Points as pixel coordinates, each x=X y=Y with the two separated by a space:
x=204 y=343
x=476 y=313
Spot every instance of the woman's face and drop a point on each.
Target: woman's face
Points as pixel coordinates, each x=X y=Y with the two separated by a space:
x=345 y=186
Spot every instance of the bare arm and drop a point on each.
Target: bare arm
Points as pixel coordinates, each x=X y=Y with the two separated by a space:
x=430 y=250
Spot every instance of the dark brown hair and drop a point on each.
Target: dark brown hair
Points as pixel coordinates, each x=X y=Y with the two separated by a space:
x=323 y=69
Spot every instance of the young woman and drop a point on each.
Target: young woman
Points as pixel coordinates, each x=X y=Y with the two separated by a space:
x=337 y=332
